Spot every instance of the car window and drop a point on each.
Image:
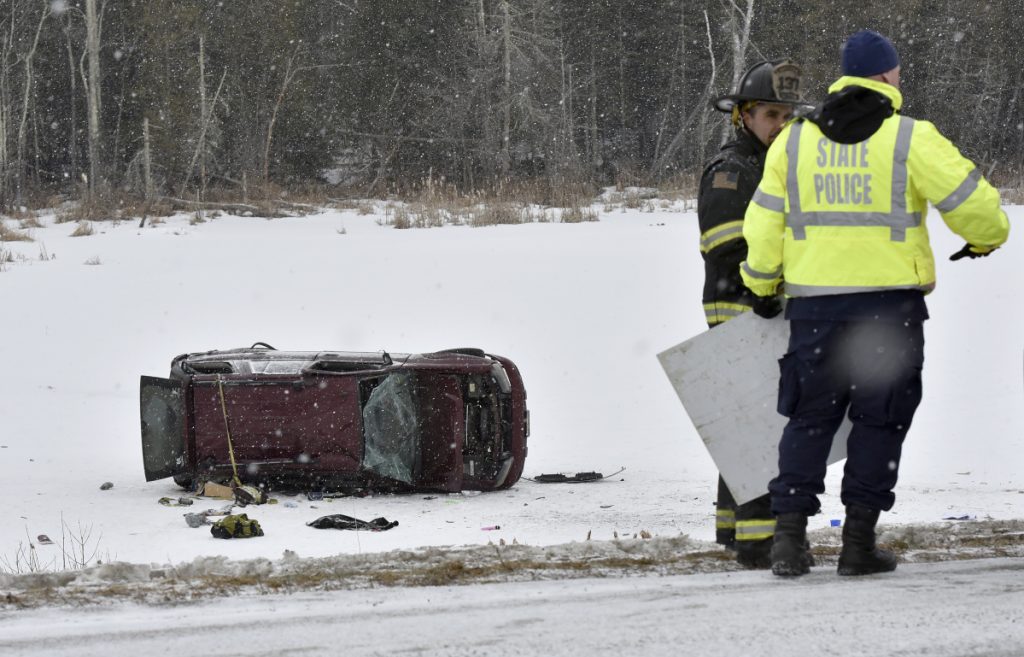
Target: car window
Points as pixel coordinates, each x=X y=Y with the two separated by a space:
x=278 y=366
x=391 y=428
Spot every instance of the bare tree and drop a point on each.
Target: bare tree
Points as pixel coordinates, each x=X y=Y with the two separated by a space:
x=697 y=114
x=91 y=83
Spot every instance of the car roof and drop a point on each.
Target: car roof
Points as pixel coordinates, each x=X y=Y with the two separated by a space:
x=273 y=361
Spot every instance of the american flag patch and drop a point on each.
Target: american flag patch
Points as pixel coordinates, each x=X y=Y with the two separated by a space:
x=725 y=180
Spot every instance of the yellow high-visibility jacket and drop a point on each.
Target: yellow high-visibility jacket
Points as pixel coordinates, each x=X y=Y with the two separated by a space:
x=831 y=218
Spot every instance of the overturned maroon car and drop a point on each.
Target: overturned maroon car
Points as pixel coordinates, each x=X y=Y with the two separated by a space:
x=337 y=421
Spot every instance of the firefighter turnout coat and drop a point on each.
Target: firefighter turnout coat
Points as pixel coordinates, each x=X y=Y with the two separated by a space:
x=838 y=218
x=726 y=187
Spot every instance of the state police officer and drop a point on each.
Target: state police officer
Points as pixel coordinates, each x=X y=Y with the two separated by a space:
x=838 y=223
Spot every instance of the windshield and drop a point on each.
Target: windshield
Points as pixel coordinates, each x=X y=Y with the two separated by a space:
x=391 y=428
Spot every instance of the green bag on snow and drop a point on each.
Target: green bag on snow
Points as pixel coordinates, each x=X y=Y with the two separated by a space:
x=236 y=526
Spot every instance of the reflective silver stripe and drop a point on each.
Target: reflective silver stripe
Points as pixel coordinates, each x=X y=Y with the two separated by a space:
x=794 y=290
x=792 y=186
x=756 y=274
x=769 y=202
x=898 y=220
x=960 y=194
x=714 y=235
x=898 y=199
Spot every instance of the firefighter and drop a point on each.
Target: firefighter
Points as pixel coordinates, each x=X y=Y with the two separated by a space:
x=764 y=100
x=838 y=223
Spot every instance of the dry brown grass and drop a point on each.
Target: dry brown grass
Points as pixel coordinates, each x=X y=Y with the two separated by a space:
x=1012 y=195
x=97 y=208
x=11 y=235
x=578 y=214
x=682 y=186
x=496 y=213
x=83 y=229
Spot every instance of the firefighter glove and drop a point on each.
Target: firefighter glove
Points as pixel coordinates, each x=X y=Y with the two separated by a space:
x=767 y=307
x=971 y=251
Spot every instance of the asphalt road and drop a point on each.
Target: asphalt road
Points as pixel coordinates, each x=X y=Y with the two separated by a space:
x=954 y=609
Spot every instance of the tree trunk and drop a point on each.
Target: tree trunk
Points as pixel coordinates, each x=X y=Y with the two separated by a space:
x=203 y=112
x=92 y=84
x=289 y=74
x=740 y=28
x=73 y=106
x=147 y=168
x=505 y=159
x=26 y=103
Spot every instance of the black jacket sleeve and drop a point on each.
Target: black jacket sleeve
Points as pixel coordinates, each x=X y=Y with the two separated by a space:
x=725 y=190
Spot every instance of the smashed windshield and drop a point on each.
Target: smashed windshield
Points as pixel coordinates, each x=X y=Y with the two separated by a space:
x=391 y=428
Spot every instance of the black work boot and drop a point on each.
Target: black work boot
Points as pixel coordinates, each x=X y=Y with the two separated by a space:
x=754 y=555
x=860 y=555
x=789 y=551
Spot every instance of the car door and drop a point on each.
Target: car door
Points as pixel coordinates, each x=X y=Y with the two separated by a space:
x=164 y=450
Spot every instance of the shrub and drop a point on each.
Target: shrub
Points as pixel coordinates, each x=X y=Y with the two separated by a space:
x=401 y=219
x=497 y=213
x=83 y=229
x=576 y=214
x=12 y=235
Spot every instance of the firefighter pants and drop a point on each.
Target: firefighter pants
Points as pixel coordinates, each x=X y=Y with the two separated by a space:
x=736 y=524
x=870 y=370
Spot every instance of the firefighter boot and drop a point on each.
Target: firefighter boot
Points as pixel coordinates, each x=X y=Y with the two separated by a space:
x=754 y=555
x=859 y=555
x=789 y=551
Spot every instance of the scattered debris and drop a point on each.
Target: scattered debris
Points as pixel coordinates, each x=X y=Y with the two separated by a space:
x=341 y=521
x=315 y=496
x=181 y=501
x=219 y=491
x=245 y=495
x=107 y=485
x=236 y=526
x=578 y=478
x=196 y=520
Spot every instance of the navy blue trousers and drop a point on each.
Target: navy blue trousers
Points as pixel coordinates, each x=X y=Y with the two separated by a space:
x=866 y=368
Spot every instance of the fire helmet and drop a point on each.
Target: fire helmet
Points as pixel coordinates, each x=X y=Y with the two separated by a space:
x=779 y=81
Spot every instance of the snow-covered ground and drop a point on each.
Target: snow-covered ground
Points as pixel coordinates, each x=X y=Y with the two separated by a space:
x=581 y=308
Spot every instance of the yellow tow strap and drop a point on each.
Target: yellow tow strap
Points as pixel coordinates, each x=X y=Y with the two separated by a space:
x=227 y=430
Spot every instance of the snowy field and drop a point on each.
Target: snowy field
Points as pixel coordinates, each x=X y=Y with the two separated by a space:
x=581 y=308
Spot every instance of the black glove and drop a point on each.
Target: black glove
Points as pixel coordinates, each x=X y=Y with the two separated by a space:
x=971 y=251
x=767 y=307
